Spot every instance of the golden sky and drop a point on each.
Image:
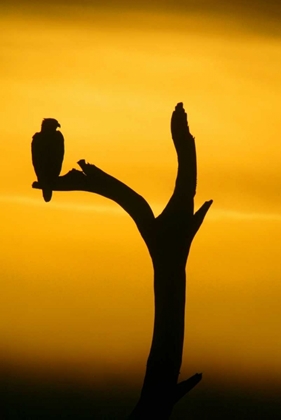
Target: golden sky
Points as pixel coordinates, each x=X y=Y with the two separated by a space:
x=76 y=277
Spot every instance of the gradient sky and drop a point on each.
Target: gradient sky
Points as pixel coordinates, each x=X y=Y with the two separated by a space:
x=76 y=277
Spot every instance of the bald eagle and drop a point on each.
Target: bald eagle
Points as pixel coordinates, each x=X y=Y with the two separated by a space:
x=47 y=150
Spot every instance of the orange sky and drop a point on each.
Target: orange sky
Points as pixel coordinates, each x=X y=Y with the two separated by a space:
x=76 y=277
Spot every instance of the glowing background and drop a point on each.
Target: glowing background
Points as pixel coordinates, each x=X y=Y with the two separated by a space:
x=76 y=277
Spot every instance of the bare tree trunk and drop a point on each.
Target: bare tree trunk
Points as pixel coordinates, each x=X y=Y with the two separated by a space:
x=168 y=238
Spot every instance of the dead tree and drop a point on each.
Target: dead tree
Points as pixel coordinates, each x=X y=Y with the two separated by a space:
x=168 y=238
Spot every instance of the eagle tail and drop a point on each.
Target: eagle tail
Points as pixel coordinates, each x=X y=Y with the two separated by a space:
x=47 y=194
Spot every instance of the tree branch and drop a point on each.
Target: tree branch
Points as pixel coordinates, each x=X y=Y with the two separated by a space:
x=92 y=179
x=185 y=187
x=184 y=387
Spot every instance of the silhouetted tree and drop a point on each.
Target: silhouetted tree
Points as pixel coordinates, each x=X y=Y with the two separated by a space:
x=168 y=238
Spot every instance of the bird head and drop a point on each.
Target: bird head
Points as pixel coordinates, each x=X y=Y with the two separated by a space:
x=49 y=124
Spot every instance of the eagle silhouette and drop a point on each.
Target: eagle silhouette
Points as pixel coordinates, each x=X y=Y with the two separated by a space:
x=47 y=150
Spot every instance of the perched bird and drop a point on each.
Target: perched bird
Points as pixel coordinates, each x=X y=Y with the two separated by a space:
x=47 y=150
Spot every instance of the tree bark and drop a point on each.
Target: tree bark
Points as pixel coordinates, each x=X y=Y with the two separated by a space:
x=168 y=238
